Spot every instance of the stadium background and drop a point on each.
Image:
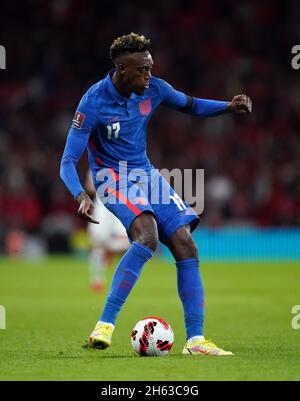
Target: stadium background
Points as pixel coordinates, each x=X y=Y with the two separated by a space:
x=210 y=49
x=56 y=50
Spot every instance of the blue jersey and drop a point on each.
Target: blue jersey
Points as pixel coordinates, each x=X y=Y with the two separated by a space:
x=117 y=125
x=113 y=128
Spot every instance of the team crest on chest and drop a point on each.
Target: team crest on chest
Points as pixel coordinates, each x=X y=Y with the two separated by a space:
x=145 y=107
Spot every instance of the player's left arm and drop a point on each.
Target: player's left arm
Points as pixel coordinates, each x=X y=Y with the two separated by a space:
x=202 y=107
x=240 y=104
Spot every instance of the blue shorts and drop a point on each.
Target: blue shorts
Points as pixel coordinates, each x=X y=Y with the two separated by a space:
x=130 y=195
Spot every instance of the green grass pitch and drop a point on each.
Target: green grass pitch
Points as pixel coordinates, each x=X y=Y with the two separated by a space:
x=50 y=312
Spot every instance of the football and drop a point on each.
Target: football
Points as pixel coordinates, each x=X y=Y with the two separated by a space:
x=152 y=336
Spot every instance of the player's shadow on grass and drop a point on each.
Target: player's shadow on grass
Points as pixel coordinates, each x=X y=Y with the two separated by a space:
x=103 y=355
x=138 y=357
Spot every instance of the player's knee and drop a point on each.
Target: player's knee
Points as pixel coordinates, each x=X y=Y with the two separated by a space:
x=192 y=248
x=182 y=245
x=144 y=231
x=187 y=248
x=150 y=241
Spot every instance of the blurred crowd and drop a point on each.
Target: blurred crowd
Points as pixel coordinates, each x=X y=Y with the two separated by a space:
x=210 y=49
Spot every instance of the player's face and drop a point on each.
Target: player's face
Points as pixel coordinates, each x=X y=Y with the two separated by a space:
x=137 y=72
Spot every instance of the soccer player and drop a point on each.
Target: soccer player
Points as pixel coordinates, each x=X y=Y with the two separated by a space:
x=111 y=121
x=107 y=239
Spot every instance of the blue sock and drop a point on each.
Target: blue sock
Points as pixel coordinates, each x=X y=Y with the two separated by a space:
x=191 y=294
x=126 y=275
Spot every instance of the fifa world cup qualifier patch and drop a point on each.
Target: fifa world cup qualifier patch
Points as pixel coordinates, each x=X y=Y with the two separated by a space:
x=78 y=120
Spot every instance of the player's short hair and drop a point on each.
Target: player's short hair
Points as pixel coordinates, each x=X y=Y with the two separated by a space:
x=131 y=43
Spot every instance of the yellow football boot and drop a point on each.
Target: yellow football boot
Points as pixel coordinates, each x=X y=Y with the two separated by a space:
x=101 y=335
x=204 y=347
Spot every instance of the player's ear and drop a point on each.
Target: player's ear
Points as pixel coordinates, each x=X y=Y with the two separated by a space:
x=120 y=68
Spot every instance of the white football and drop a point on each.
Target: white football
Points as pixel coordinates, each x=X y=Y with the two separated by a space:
x=152 y=336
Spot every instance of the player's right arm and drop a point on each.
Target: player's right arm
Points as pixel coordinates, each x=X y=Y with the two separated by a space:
x=83 y=123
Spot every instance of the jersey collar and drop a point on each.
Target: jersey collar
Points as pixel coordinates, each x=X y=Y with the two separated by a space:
x=112 y=90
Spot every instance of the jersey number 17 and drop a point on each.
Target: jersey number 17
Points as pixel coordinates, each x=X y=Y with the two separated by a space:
x=113 y=130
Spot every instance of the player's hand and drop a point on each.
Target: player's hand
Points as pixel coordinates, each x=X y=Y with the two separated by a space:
x=86 y=207
x=240 y=104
